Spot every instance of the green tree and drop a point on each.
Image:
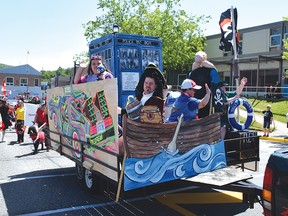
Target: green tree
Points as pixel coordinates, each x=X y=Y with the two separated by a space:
x=48 y=75
x=285 y=54
x=181 y=33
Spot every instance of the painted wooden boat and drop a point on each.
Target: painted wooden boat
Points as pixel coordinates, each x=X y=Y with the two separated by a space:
x=144 y=140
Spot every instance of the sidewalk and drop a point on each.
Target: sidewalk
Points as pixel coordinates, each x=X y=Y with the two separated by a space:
x=280 y=134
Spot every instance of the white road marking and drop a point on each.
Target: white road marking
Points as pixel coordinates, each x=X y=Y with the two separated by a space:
x=2 y=181
x=74 y=208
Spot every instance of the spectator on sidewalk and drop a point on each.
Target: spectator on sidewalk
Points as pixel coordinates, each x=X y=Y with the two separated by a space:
x=5 y=119
x=268 y=117
x=40 y=117
x=277 y=91
x=20 y=128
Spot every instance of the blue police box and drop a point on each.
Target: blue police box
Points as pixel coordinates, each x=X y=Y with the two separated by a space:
x=126 y=56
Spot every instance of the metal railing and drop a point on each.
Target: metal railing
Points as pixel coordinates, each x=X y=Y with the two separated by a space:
x=254 y=91
x=266 y=92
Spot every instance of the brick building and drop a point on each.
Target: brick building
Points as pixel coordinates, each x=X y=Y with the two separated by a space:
x=20 y=79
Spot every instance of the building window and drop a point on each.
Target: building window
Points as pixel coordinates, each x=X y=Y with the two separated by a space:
x=286 y=32
x=23 y=81
x=9 y=81
x=275 y=37
x=36 y=82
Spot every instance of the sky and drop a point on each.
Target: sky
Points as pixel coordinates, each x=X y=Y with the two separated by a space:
x=52 y=32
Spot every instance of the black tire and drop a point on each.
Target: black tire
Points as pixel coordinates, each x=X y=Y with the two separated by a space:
x=89 y=181
x=79 y=172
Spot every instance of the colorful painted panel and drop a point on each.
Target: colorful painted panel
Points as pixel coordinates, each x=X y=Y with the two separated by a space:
x=167 y=166
x=164 y=152
x=85 y=112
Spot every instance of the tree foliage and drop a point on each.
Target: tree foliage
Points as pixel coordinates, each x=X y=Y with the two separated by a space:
x=285 y=54
x=3 y=66
x=48 y=75
x=181 y=33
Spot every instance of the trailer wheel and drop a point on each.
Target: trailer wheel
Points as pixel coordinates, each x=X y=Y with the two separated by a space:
x=89 y=181
x=79 y=172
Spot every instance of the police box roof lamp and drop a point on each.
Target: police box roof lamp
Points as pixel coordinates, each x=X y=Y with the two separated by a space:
x=115 y=28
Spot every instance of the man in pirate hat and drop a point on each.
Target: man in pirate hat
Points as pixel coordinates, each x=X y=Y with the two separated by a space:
x=150 y=87
x=149 y=93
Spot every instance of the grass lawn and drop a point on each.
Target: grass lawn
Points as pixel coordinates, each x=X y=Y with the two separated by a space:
x=279 y=108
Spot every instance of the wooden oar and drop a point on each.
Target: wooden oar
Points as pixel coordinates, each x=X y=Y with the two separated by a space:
x=172 y=145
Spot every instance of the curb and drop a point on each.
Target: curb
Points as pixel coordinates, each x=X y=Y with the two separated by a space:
x=285 y=140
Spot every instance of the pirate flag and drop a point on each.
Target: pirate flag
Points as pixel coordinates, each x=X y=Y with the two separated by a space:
x=219 y=98
x=226 y=41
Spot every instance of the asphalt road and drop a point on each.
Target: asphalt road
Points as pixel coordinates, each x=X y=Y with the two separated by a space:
x=45 y=184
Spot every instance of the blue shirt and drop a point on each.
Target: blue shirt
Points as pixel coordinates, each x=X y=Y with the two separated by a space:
x=214 y=76
x=186 y=105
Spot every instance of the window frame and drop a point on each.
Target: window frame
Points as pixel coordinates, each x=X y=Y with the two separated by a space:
x=35 y=81
x=275 y=32
x=9 y=83
x=280 y=40
x=22 y=78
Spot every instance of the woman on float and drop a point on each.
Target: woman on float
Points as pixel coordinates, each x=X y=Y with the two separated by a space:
x=96 y=71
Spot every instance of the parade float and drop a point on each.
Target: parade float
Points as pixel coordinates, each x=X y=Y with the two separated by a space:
x=84 y=123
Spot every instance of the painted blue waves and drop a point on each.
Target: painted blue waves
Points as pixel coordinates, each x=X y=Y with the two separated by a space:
x=167 y=166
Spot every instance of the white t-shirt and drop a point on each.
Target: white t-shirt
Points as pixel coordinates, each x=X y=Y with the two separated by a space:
x=146 y=97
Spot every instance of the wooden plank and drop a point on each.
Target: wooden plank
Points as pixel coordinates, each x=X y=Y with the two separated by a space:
x=106 y=158
x=149 y=139
x=221 y=177
x=100 y=168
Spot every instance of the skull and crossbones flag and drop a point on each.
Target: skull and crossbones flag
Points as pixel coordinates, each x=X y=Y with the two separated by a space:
x=218 y=99
x=226 y=41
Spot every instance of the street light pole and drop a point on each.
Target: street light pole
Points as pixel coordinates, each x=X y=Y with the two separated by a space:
x=115 y=28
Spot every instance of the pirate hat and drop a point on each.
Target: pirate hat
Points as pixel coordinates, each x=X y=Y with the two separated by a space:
x=153 y=71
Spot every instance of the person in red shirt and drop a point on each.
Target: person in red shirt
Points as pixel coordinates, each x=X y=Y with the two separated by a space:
x=40 y=117
x=17 y=105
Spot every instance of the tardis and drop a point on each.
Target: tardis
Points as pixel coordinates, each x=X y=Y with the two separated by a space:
x=126 y=56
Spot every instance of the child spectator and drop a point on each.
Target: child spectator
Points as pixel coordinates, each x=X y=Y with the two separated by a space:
x=40 y=117
x=268 y=117
x=20 y=122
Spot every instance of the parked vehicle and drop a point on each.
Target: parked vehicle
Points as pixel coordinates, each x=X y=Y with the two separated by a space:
x=275 y=184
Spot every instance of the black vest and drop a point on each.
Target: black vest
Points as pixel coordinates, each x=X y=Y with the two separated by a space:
x=201 y=76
